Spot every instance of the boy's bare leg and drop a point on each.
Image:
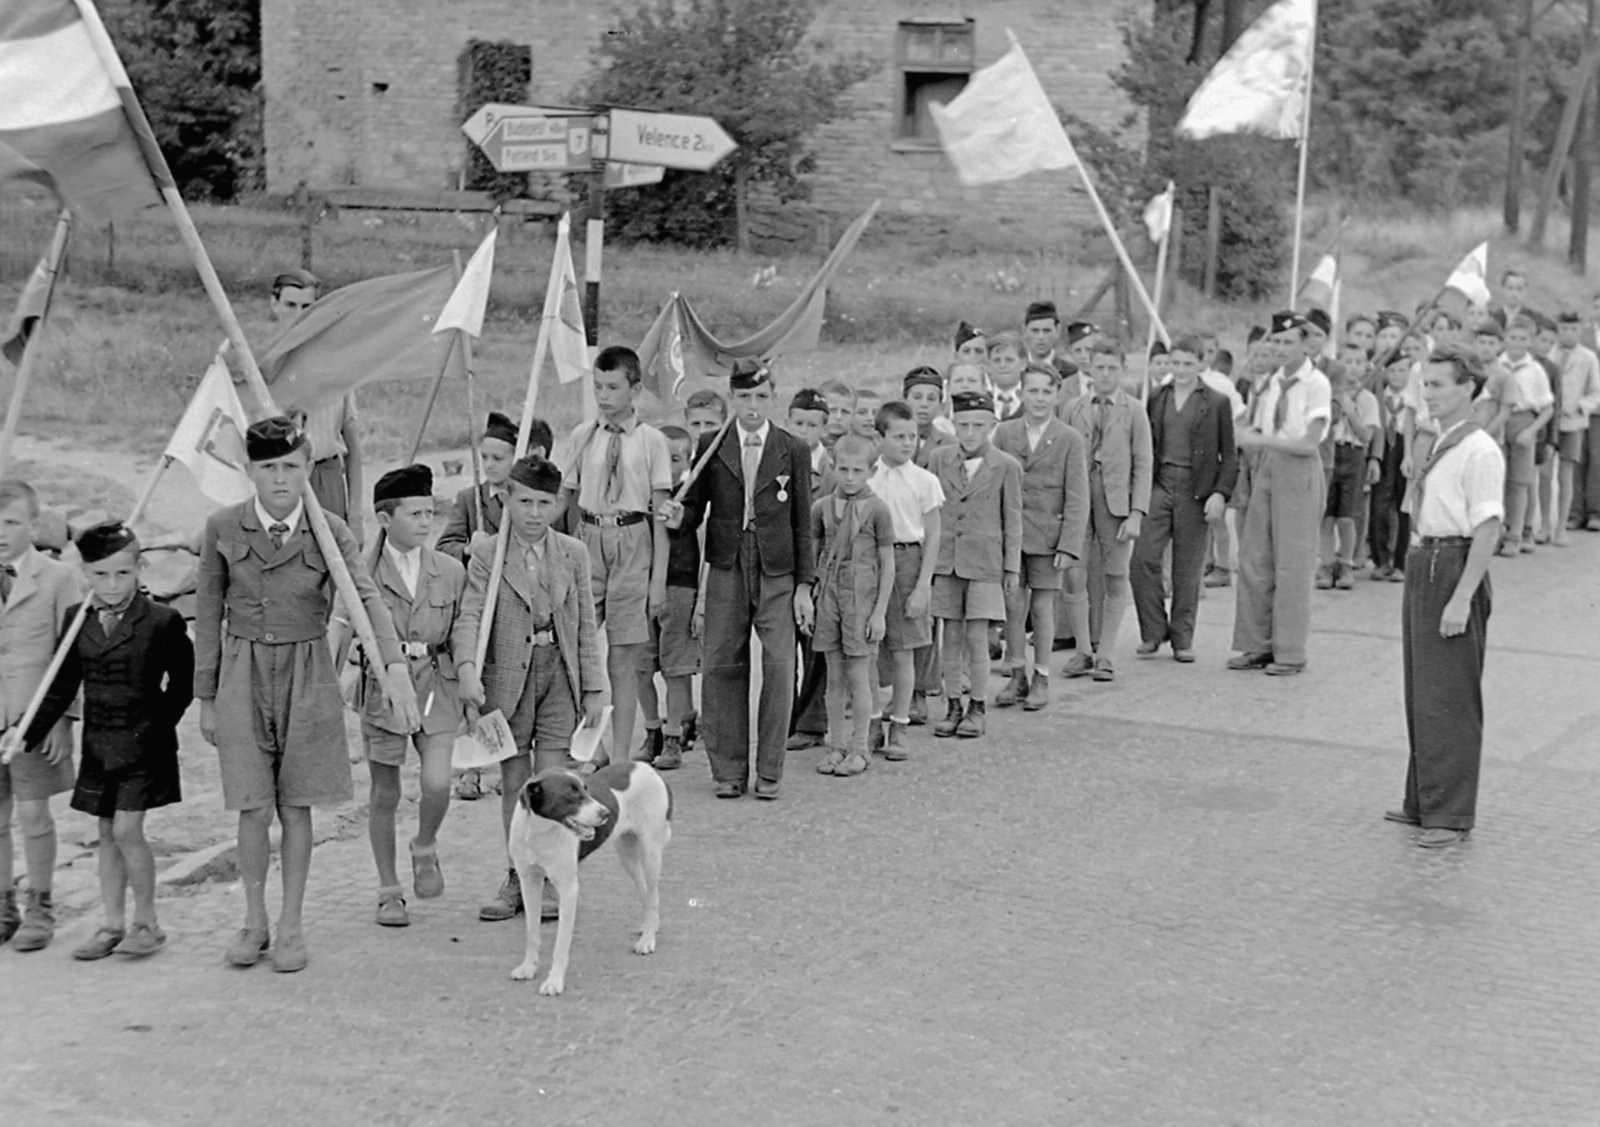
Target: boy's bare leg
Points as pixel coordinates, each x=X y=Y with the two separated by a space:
x=295 y=857
x=905 y=682
x=622 y=666
x=383 y=799
x=680 y=703
x=650 y=700
x=8 y=876
x=838 y=699
x=38 y=841
x=975 y=635
x=1016 y=624
x=1042 y=608
x=1330 y=549
x=435 y=804
x=514 y=773
x=255 y=852
x=137 y=865
x=858 y=674
x=113 y=877
x=1346 y=528
x=1558 y=520
x=1119 y=593
x=1077 y=595
x=953 y=654
x=1516 y=513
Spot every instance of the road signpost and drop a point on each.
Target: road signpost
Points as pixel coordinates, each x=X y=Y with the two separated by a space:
x=672 y=140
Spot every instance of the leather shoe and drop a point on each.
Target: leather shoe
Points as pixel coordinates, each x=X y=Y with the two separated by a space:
x=289 y=955
x=802 y=740
x=392 y=908
x=1079 y=664
x=1183 y=657
x=1103 y=670
x=1286 y=668
x=1250 y=661
x=766 y=789
x=730 y=790
x=1147 y=649
x=1439 y=837
x=247 y=947
x=1402 y=817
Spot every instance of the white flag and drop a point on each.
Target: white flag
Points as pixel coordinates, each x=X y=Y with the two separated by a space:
x=210 y=438
x=1318 y=289
x=1158 y=215
x=1002 y=126
x=464 y=309
x=1471 y=276
x=569 y=346
x=1259 y=86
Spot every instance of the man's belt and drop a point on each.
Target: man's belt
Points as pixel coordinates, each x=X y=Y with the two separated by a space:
x=423 y=649
x=612 y=520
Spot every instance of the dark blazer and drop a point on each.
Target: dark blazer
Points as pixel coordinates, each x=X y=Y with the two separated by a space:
x=137 y=684
x=1211 y=446
x=462 y=522
x=782 y=503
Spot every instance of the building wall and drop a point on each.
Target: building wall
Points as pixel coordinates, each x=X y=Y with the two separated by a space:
x=363 y=92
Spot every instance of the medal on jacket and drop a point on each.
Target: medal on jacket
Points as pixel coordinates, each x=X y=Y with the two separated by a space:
x=783 y=487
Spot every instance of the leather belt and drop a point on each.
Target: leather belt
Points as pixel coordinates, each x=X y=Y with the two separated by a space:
x=423 y=649
x=901 y=545
x=612 y=520
x=1442 y=541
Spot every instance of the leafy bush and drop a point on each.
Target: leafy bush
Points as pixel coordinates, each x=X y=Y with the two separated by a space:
x=492 y=72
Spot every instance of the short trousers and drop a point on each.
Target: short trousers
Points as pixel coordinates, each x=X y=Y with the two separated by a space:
x=30 y=776
x=1039 y=573
x=841 y=624
x=901 y=631
x=546 y=715
x=1347 y=483
x=280 y=726
x=1522 y=462
x=674 y=651
x=1572 y=442
x=150 y=782
x=967 y=599
x=1108 y=555
x=619 y=567
x=389 y=748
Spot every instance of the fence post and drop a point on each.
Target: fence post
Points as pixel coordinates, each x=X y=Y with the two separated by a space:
x=1213 y=241
x=111 y=250
x=308 y=218
x=1174 y=262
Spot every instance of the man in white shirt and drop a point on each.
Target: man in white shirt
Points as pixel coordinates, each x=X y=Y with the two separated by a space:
x=1580 y=401
x=1278 y=548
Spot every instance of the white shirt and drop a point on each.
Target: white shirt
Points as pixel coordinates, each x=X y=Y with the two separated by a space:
x=1531 y=386
x=1007 y=402
x=268 y=520
x=1222 y=385
x=1366 y=414
x=910 y=493
x=1580 y=385
x=1465 y=487
x=819 y=459
x=1035 y=434
x=760 y=448
x=408 y=564
x=1310 y=399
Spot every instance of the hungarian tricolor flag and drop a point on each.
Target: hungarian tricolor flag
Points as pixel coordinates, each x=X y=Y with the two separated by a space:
x=68 y=117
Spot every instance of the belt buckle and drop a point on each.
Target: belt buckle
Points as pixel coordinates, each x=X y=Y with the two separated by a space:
x=414 y=649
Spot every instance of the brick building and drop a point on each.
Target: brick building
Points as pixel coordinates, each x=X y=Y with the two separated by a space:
x=363 y=92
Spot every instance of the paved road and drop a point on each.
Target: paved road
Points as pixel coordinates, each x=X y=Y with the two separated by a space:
x=1166 y=901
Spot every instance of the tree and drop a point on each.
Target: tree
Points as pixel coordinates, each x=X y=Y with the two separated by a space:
x=752 y=66
x=196 y=66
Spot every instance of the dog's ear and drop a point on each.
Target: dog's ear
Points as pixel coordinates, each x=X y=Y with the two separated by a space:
x=532 y=795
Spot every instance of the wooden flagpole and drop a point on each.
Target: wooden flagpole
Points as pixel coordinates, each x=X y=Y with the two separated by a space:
x=1305 y=149
x=69 y=636
x=399 y=691
x=1161 y=278
x=30 y=349
x=472 y=442
x=438 y=381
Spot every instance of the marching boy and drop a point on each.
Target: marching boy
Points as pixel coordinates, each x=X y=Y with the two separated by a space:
x=35 y=593
x=422 y=588
x=135 y=665
x=675 y=633
x=497 y=449
x=980 y=553
x=807 y=420
x=855 y=579
x=913 y=497
x=269 y=699
x=620 y=473
x=542 y=669
x=1055 y=512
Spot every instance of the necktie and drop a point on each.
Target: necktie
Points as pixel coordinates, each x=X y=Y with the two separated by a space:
x=1099 y=424
x=1280 y=409
x=8 y=575
x=750 y=463
x=613 y=463
x=279 y=533
x=109 y=617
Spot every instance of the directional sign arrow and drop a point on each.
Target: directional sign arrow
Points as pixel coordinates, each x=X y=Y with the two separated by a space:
x=668 y=139
x=531 y=138
x=619 y=175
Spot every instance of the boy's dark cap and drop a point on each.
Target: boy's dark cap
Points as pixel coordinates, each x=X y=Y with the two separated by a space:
x=921 y=376
x=1569 y=317
x=1286 y=320
x=272 y=438
x=1388 y=317
x=967 y=331
x=971 y=401
x=1488 y=328
x=103 y=540
x=1320 y=318
x=1256 y=333
x=1398 y=360
x=501 y=427
x=809 y=399
x=300 y=279
x=537 y=473
x=407 y=481
x=1077 y=330
x=748 y=373
x=1159 y=348
x=1041 y=311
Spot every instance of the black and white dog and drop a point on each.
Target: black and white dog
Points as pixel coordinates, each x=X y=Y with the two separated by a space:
x=560 y=819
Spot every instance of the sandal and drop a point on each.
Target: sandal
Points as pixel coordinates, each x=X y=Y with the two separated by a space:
x=427 y=879
x=392 y=907
x=100 y=944
x=830 y=762
x=469 y=786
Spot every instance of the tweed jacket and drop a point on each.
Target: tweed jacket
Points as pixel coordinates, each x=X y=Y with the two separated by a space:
x=426 y=619
x=1055 y=486
x=980 y=524
x=42 y=593
x=1213 y=454
x=1126 y=468
x=505 y=667
x=927 y=445
x=782 y=503
x=253 y=589
x=462 y=522
x=137 y=684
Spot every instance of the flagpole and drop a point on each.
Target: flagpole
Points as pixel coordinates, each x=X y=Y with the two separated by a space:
x=541 y=349
x=438 y=381
x=69 y=637
x=1305 y=150
x=1122 y=251
x=472 y=416
x=162 y=174
x=1161 y=276
x=30 y=349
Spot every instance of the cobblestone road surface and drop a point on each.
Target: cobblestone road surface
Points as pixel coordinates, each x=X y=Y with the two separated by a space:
x=1170 y=901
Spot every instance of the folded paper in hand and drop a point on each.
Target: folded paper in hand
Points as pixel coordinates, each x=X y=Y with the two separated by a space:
x=586 y=740
x=485 y=744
